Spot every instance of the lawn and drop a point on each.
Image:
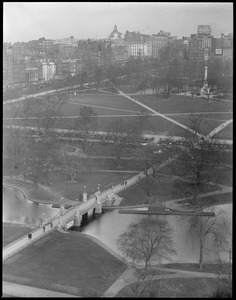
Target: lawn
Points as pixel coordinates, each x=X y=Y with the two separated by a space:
x=206 y=125
x=165 y=188
x=214 y=200
x=107 y=107
x=182 y=104
x=12 y=232
x=72 y=190
x=206 y=268
x=226 y=133
x=69 y=263
x=178 y=288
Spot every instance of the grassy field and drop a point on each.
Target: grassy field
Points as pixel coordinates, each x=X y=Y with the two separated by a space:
x=226 y=133
x=178 y=288
x=108 y=106
x=12 y=232
x=69 y=263
x=164 y=189
x=72 y=190
x=182 y=104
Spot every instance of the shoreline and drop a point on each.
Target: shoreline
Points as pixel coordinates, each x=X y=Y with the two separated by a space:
x=68 y=202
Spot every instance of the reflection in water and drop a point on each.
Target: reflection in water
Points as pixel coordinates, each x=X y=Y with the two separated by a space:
x=18 y=209
x=108 y=226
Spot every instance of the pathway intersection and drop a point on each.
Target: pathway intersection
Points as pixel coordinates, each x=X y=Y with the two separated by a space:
x=128 y=277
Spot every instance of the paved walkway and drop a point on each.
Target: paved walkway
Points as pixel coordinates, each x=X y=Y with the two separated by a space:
x=219 y=128
x=25 y=291
x=175 y=203
x=129 y=277
x=161 y=115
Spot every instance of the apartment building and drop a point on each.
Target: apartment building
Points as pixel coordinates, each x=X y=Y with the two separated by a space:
x=32 y=76
x=158 y=42
x=48 y=70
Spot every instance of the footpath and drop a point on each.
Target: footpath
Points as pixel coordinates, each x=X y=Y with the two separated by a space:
x=129 y=277
x=19 y=290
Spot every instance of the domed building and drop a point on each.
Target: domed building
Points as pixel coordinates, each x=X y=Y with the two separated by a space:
x=115 y=35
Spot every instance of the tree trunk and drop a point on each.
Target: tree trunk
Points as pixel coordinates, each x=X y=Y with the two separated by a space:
x=201 y=254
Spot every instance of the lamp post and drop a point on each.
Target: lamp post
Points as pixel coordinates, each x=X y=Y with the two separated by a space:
x=85 y=195
x=44 y=218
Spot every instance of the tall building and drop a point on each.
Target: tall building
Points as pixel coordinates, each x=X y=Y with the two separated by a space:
x=158 y=41
x=206 y=42
x=203 y=31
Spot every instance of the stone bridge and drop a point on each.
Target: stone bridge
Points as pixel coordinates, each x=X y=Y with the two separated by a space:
x=70 y=217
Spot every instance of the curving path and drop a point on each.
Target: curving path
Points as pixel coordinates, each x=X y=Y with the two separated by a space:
x=128 y=278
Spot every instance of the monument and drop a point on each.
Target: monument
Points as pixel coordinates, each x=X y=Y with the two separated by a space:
x=205 y=89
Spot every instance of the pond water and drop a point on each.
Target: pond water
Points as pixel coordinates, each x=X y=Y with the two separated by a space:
x=107 y=226
x=17 y=209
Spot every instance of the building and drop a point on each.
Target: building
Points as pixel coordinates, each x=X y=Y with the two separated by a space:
x=203 y=31
x=206 y=42
x=59 y=69
x=72 y=66
x=195 y=42
x=20 y=50
x=32 y=76
x=135 y=37
x=19 y=75
x=228 y=54
x=71 y=41
x=115 y=34
x=158 y=42
x=7 y=65
x=223 y=44
x=195 y=54
x=140 y=50
x=66 y=51
x=48 y=70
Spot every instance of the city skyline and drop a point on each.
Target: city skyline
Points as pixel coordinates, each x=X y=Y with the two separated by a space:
x=55 y=20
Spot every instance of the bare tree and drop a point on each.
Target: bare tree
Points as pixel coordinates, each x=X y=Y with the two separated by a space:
x=142 y=119
x=156 y=84
x=15 y=143
x=222 y=244
x=38 y=160
x=203 y=228
x=148 y=159
x=121 y=134
x=149 y=239
x=73 y=164
x=41 y=114
x=86 y=123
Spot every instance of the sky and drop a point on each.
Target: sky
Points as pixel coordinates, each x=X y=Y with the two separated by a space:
x=24 y=21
